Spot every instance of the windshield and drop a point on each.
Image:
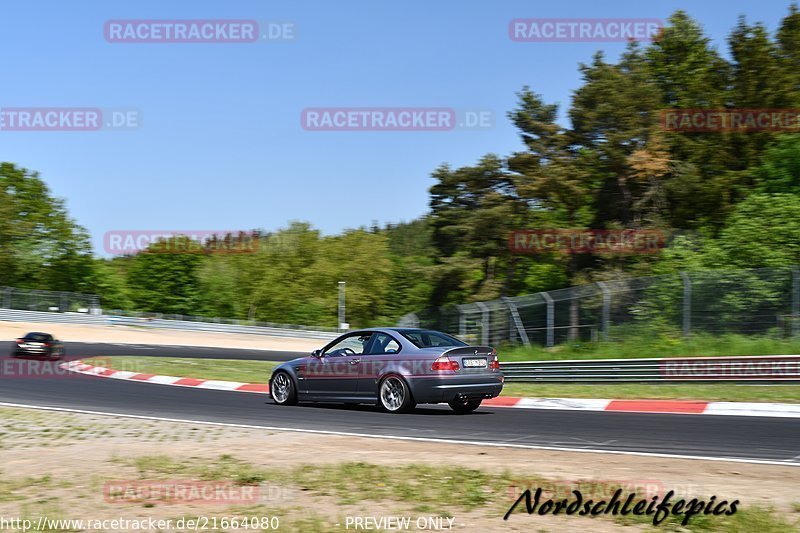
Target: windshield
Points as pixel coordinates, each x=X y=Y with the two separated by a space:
x=37 y=337
x=430 y=339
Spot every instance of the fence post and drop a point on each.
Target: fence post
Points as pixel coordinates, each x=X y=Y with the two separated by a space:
x=687 y=304
x=512 y=308
x=7 y=297
x=462 y=322
x=94 y=305
x=511 y=328
x=606 y=309
x=485 y=321
x=795 y=300
x=551 y=319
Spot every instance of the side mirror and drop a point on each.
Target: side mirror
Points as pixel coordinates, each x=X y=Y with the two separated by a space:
x=317 y=353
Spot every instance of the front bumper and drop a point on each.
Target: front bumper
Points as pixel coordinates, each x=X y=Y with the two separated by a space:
x=38 y=352
x=442 y=389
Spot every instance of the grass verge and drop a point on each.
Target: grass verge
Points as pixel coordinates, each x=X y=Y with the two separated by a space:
x=657 y=345
x=449 y=490
x=216 y=369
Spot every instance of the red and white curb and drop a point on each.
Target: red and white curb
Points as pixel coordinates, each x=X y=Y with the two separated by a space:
x=82 y=368
x=570 y=404
x=687 y=407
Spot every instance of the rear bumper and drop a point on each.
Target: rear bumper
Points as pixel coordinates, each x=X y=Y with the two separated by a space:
x=442 y=389
x=37 y=353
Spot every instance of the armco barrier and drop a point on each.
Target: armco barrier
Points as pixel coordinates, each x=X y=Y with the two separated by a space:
x=16 y=315
x=771 y=368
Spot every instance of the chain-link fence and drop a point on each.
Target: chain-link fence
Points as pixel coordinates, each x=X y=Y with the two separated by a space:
x=54 y=301
x=762 y=301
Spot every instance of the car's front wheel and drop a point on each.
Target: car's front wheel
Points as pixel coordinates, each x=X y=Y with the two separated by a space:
x=395 y=396
x=464 y=405
x=282 y=389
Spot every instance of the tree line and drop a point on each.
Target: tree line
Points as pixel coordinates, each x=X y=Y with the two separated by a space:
x=727 y=200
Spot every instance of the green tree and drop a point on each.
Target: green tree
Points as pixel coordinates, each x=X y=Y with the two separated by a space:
x=779 y=171
x=41 y=247
x=164 y=279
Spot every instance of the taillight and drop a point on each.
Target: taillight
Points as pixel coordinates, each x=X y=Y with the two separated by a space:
x=444 y=363
x=46 y=344
x=494 y=364
x=20 y=341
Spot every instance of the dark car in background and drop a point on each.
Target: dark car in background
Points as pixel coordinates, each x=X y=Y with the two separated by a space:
x=395 y=368
x=38 y=344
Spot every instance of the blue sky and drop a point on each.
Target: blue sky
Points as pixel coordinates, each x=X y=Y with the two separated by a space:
x=221 y=145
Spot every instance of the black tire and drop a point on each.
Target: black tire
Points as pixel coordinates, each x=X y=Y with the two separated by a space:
x=394 y=396
x=282 y=389
x=463 y=405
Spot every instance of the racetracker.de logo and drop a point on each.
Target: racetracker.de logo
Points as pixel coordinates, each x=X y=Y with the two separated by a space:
x=179 y=491
x=755 y=368
x=68 y=119
x=730 y=120
x=394 y=119
x=198 y=31
x=127 y=242
x=36 y=366
x=598 y=488
x=555 y=30
x=580 y=241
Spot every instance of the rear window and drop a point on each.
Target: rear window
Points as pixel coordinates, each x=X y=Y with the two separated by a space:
x=430 y=339
x=38 y=337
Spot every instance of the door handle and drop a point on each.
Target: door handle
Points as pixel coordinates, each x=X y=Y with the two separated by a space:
x=355 y=361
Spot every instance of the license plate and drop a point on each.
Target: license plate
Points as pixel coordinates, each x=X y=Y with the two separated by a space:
x=475 y=363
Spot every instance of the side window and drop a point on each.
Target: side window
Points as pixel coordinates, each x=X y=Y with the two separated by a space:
x=384 y=344
x=350 y=345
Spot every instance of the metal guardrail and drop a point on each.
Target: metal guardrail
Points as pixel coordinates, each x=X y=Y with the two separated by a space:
x=772 y=368
x=16 y=315
x=161 y=323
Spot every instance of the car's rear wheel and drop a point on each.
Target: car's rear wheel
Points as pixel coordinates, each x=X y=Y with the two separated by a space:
x=282 y=389
x=464 y=405
x=395 y=396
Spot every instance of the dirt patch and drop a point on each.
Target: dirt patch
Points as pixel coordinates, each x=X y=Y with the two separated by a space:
x=132 y=335
x=58 y=464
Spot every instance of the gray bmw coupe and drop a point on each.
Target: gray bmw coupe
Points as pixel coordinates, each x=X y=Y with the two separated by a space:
x=395 y=368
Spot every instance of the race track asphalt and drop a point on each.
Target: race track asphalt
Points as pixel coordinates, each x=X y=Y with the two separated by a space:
x=749 y=438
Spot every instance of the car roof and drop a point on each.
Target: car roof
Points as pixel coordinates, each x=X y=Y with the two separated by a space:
x=391 y=328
